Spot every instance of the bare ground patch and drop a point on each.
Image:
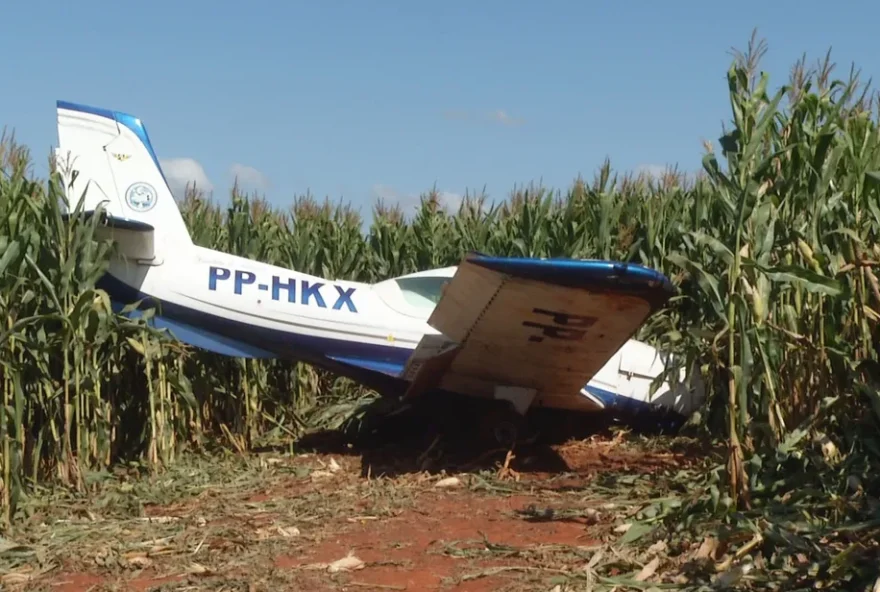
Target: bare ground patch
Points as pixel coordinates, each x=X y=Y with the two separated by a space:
x=336 y=521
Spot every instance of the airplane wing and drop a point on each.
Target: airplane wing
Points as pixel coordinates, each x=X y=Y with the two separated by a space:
x=543 y=324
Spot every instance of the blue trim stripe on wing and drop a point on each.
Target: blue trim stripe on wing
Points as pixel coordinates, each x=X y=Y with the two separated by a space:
x=612 y=276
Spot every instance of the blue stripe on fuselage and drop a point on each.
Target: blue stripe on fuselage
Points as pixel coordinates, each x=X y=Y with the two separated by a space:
x=390 y=368
x=200 y=337
x=360 y=361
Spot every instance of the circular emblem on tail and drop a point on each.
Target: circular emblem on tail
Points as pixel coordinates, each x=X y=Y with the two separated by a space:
x=140 y=197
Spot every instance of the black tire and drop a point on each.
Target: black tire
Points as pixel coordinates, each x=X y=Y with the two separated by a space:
x=502 y=427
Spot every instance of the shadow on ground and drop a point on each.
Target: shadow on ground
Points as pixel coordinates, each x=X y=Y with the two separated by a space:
x=451 y=440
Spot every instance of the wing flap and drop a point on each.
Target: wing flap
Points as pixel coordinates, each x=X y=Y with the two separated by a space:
x=466 y=297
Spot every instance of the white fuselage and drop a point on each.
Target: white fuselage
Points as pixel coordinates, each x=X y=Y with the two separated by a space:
x=375 y=323
x=373 y=328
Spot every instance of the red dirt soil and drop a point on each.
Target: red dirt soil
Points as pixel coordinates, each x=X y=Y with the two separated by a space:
x=403 y=551
x=410 y=538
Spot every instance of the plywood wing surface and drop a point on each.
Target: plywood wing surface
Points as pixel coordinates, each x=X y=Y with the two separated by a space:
x=522 y=332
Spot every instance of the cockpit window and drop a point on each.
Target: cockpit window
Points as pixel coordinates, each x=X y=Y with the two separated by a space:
x=422 y=292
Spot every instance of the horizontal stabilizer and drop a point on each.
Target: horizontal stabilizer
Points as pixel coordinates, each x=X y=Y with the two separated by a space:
x=133 y=238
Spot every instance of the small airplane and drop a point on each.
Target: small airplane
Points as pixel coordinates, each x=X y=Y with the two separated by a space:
x=525 y=333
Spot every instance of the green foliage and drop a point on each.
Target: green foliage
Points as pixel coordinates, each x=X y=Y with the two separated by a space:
x=773 y=247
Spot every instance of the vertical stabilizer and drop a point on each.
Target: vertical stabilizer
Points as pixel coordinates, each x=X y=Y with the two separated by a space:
x=108 y=155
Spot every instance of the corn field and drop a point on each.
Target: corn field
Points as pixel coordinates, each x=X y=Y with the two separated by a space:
x=773 y=247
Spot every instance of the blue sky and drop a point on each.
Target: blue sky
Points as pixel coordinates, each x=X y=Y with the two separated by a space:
x=359 y=99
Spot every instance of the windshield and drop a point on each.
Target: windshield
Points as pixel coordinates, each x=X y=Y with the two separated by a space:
x=422 y=292
x=415 y=295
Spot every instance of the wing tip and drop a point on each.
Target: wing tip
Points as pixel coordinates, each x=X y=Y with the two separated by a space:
x=595 y=274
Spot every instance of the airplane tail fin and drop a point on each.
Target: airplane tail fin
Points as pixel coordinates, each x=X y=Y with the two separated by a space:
x=108 y=155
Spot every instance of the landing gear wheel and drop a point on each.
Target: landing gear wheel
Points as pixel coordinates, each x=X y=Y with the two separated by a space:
x=502 y=427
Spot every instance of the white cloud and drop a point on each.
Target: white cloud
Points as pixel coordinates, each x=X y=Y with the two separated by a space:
x=652 y=170
x=249 y=177
x=182 y=171
x=386 y=193
x=499 y=116
x=449 y=199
